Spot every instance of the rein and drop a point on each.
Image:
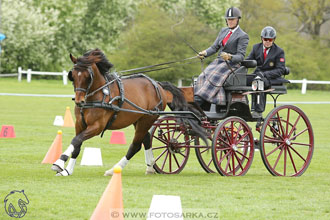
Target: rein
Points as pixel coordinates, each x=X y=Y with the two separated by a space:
x=155 y=65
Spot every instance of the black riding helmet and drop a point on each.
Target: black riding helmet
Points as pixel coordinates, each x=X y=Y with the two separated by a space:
x=268 y=32
x=233 y=12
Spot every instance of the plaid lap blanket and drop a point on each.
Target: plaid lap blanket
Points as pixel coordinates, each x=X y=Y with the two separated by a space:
x=209 y=82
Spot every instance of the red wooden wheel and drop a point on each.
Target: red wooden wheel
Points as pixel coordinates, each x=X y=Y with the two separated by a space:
x=170 y=145
x=286 y=141
x=233 y=147
x=204 y=155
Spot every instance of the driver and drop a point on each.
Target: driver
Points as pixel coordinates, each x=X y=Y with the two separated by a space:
x=270 y=67
x=231 y=44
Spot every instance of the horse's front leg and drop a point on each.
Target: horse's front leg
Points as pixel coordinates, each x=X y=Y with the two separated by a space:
x=73 y=150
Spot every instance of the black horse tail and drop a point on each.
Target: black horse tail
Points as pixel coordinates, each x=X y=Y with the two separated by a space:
x=179 y=103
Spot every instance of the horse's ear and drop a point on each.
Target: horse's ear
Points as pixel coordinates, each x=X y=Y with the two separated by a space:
x=73 y=59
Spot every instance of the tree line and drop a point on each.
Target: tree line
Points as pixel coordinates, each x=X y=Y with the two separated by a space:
x=133 y=33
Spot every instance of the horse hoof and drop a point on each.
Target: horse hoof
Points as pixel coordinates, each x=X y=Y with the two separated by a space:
x=109 y=172
x=65 y=172
x=150 y=170
x=56 y=168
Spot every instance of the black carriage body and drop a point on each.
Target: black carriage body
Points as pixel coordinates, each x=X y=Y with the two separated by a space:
x=286 y=139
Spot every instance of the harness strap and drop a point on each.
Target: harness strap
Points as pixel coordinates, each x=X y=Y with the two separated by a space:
x=120 y=102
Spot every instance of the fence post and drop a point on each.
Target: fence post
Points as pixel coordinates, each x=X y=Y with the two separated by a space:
x=28 y=78
x=304 y=86
x=19 y=74
x=65 y=78
x=179 y=82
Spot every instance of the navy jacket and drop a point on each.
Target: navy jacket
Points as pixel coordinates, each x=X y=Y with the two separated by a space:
x=274 y=66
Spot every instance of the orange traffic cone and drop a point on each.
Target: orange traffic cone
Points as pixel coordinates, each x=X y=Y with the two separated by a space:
x=68 y=120
x=111 y=204
x=55 y=149
x=117 y=137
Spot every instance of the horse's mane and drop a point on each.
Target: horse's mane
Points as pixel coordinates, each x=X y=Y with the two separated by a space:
x=94 y=56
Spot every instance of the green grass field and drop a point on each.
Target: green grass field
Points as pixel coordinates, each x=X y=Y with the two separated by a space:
x=257 y=195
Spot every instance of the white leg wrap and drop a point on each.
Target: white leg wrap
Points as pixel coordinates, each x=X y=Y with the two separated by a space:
x=122 y=163
x=150 y=161
x=149 y=157
x=59 y=163
x=69 y=169
x=69 y=151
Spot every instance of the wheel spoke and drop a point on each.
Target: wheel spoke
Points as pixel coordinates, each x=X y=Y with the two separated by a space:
x=242 y=155
x=294 y=126
x=161 y=155
x=239 y=162
x=164 y=141
x=273 y=140
x=238 y=130
x=287 y=122
x=278 y=121
x=209 y=164
x=309 y=145
x=222 y=158
x=163 y=165
x=227 y=135
x=223 y=141
x=291 y=158
x=170 y=162
x=205 y=150
x=228 y=163
x=157 y=148
x=273 y=129
x=276 y=148
x=284 y=167
x=176 y=160
x=297 y=153
x=243 y=136
x=233 y=159
x=299 y=134
x=278 y=158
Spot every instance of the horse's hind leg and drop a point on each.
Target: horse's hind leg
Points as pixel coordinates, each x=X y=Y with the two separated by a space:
x=141 y=135
x=148 y=155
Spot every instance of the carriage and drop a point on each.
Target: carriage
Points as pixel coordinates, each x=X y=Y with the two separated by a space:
x=284 y=137
x=108 y=102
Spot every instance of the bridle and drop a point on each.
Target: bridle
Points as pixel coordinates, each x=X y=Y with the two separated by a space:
x=91 y=73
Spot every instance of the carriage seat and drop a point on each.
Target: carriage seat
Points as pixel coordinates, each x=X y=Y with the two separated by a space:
x=238 y=78
x=235 y=80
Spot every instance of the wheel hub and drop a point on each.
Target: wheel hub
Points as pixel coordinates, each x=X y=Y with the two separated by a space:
x=234 y=147
x=288 y=142
x=173 y=146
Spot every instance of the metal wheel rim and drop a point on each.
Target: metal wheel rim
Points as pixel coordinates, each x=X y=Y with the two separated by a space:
x=167 y=159
x=230 y=147
x=286 y=141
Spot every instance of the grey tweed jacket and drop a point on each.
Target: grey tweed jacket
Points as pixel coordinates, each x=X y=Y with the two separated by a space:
x=236 y=44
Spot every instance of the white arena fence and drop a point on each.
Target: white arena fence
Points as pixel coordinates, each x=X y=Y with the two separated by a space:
x=64 y=75
x=29 y=74
x=304 y=83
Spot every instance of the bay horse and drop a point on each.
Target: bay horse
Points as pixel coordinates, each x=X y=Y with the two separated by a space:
x=105 y=101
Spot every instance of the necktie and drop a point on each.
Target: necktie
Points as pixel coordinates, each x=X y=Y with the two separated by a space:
x=224 y=41
x=265 y=53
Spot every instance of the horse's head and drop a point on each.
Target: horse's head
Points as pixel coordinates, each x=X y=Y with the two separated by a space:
x=82 y=77
x=85 y=72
